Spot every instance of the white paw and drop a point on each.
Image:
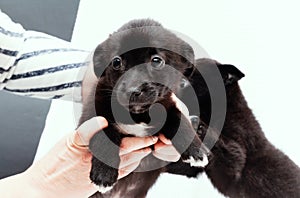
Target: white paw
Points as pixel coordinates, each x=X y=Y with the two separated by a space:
x=197 y=163
x=104 y=189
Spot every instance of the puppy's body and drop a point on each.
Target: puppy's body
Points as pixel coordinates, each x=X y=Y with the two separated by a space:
x=156 y=60
x=244 y=162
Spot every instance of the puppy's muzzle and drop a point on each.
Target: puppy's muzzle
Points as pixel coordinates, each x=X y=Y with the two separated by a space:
x=142 y=97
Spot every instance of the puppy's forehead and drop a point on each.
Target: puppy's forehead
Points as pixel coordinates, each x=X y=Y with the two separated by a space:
x=148 y=37
x=140 y=55
x=133 y=40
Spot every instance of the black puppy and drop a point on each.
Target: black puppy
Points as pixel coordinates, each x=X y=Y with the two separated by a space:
x=243 y=163
x=138 y=66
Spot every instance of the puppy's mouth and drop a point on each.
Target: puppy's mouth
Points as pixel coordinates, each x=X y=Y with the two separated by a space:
x=139 y=100
x=139 y=108
x=142 y=103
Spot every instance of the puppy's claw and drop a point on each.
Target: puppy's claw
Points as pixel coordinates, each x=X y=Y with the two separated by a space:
x=197 y=162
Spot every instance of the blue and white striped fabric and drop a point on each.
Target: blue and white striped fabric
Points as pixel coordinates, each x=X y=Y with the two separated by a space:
x=39 y=65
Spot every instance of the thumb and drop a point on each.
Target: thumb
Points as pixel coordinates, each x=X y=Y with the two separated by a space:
x=88 y=129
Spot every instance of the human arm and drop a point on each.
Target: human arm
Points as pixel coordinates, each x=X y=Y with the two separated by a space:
x=28 y=57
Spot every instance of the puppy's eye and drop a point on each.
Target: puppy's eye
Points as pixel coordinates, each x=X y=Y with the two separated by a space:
x=116 y=62
x=183 y=83
x=157 y=62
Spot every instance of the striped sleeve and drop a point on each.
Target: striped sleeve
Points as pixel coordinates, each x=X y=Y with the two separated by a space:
x=39 y=65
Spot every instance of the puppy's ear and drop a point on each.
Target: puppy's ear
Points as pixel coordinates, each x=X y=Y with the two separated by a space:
x=230 y=73
x=100 y=60
x=189 y=71
x=99 y=70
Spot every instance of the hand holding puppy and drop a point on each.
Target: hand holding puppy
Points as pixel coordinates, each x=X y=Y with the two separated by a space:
x=64 y=171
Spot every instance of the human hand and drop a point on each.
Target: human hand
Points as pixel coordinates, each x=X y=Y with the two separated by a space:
x=64 y=170
x=132 y=151
x=164 y=150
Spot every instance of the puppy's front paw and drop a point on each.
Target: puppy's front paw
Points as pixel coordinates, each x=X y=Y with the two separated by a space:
x=104 y=189
x=195 y=157
x=104 y=179
x=103 y=175
x=201 y=162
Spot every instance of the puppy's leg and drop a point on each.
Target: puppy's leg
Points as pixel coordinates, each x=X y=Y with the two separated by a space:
x=180 y=131
x=103 y=175
x=181 y=168
x=196 y=153
x=226 y=167
x=105 y=162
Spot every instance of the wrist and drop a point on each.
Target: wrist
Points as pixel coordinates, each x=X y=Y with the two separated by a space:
x=18 y=186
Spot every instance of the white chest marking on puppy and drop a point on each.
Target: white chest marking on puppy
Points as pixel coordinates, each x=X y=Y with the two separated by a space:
x=139 y=130
x=180 y=105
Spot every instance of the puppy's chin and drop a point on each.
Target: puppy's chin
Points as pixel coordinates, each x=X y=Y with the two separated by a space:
x=139 y=109
x=137 y=106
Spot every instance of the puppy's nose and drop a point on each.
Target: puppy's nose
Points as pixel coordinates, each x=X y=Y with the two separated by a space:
x=134 y=92
x=137 y=93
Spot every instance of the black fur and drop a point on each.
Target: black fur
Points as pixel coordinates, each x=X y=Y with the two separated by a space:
x=137 y=47
x=243 y=162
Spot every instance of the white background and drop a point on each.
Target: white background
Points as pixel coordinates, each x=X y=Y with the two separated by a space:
x=261 y=38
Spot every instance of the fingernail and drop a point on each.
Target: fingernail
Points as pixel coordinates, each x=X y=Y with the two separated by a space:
x=102 y=121
x=154 y=138
x=144 y=152
x=167 y=141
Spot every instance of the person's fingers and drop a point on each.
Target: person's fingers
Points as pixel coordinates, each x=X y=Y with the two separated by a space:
x=86 y=131
x=166 y=152
x=128 y=169
x=162 y=138
x=169 y=158
x=130 y=144
x=165 y=148
x=134 y=156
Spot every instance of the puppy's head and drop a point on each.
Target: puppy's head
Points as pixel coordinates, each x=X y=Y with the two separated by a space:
x=142 y=62
x=229 y=73
x=210 y=75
